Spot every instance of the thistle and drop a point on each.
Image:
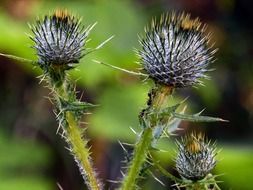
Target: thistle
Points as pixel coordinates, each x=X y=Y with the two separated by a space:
x=175 y=51
x=59 y=40
x=196 y=157
x=175 y=54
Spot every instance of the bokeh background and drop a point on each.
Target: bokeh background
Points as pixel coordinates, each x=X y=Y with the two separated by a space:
x=33 y=157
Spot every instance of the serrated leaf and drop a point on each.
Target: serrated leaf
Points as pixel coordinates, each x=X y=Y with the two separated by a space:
x=196 y=118
x=164 y=112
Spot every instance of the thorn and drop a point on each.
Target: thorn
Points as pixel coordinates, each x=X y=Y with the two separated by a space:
x=128 y=144
x=88 y=29
x=199 y=113
x=164 y=151
x=69 y=149
x=121 y=69
x=58 y=128
x=84 y=123
x=184 y=100
x=62 y=135
x=21 y=59
x=59 y=186
x=81 y=96
x=113 y=181
x=103 y=43
x=122 y=173
x=124 y=149
x=133 y=130
x=42 y=78
x=158 y=180
x=60 y=112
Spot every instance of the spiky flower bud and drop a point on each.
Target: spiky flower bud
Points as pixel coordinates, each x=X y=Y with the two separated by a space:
x=196 y=157
x=59 y=39
x=175 y=51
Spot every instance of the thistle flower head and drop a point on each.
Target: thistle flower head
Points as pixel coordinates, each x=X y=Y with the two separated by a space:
x=59 y=39
x=175 y=51
x=196 y=157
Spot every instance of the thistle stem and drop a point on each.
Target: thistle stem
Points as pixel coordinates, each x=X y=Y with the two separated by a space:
x=140 y=154
x=74 y=137
x=157 y=99
x=81 y=152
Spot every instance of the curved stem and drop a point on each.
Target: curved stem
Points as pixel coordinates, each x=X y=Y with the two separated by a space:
x=157 y=99
x=74 y=137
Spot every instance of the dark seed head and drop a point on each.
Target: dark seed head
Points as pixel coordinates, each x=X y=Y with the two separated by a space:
x=175 y=51
x=59 y=39
x=196 y=157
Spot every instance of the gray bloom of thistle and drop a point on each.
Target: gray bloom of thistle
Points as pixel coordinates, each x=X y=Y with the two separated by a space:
x=176 y=51
x=59 y=39
x=196 y=157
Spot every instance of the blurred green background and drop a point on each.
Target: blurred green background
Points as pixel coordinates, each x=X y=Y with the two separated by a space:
x=33 y=157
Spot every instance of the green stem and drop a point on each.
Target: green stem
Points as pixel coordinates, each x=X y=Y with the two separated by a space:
x=81 y=152
x=140 y=154
x=74 y=137
x=157 y=99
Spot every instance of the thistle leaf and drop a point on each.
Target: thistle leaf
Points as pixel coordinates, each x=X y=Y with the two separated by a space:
x=169 y=110
x=173 y=124
x=197 y=118
x=76 y=106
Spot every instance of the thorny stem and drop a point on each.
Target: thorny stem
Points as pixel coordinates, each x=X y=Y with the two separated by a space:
x=81 y=152
x=78 y=145
x=140 y=154
x=157 y=98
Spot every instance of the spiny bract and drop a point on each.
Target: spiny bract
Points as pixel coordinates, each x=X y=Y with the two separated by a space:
x=59 y=39
x=175 y=51
x=196 y=157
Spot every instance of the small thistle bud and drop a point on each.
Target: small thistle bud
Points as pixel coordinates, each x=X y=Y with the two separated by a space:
x=59 y=39
x=196 y=157
x=175 y=51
